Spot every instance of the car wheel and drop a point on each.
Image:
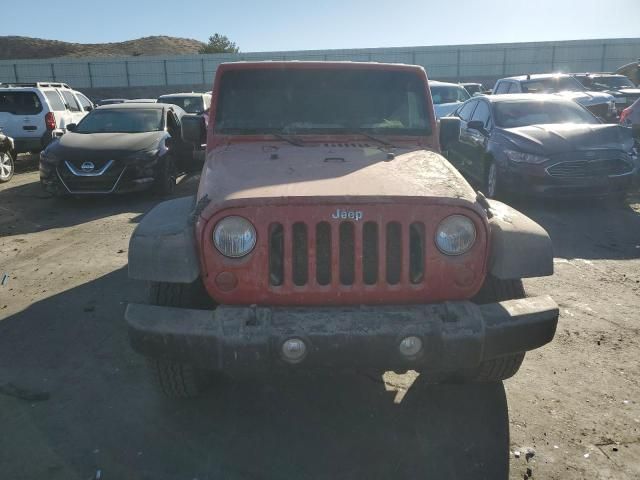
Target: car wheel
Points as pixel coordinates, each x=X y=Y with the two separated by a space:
x=7 y=167
x=492 y=184
x=497 y=369
x=176 y=379
x=165 y=181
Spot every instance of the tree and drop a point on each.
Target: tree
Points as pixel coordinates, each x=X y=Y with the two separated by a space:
x=220 y=44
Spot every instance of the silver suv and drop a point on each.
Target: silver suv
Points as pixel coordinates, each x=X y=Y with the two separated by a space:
x=34 y=113
x=602 y=105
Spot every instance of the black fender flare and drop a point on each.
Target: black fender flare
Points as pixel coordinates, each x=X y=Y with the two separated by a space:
x=520 y=248
x=163 y=246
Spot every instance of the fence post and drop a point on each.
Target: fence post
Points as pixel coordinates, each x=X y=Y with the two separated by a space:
x=413 y=57
x=126 y=72
x=458 y=65
x=553 y=58
x=604 y=54
x=15 y=72
x=504 y=62
x=90 y=75
x=204 y=80
x=53 y=73
x=166 y=76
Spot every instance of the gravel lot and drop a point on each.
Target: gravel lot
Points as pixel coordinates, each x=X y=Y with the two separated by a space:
x=75 y=401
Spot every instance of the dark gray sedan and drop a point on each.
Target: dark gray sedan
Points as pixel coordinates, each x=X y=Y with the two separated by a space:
x=541 y=144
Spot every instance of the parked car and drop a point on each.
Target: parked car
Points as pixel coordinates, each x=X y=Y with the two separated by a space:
x=118 y=148
x=630 y=117
x=34 y=113
x=328 y=231
x=111 y=101
x=190 y=102
x=447 y=97
x=474 y=88
x=543 y=145
x=141 y=100
x=620 y=87
x=602 y=105
x=7 y=158
x=631 y=71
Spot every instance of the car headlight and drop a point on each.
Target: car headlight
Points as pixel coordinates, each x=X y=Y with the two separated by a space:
x=234 y=236
x=521 y=157
x=455 y=235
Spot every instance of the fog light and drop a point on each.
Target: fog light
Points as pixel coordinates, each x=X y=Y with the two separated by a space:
x=410 y=346
x=294 y=350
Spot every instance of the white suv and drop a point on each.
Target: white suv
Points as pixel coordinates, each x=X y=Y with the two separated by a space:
x=33 y=113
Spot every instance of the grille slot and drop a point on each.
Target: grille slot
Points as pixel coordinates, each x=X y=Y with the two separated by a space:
x=589 y=168
x=323 y=253
x=300 y=260
x=394 y=253
x=347 y=253
x=416 y=252
x=276 y=254
x=370 y=263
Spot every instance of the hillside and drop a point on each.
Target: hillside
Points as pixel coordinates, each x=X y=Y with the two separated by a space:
x=27 y=47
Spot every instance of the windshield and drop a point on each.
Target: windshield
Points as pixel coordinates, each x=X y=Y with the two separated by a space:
x=552 y=85
x=448 y=94
x=606 y=83
x=321 y=101
x=193 y=104
x=524 y=113
x=121 y=121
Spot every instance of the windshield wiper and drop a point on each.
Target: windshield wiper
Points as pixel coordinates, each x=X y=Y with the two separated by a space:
x=372 y=137
x=290 y=140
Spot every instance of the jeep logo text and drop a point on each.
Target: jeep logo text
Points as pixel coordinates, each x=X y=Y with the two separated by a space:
x=347 y=214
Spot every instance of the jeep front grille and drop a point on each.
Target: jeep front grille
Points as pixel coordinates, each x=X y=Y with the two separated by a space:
x=349 y=253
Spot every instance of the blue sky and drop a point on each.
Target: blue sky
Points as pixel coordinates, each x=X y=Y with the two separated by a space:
x=325 y=24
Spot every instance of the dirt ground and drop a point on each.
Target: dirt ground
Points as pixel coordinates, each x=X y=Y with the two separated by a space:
x=76 y=403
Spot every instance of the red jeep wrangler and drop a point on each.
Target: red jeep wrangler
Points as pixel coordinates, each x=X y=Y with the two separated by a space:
x=328 y=231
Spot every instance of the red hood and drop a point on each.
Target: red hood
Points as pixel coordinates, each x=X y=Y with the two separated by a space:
x=253 y=172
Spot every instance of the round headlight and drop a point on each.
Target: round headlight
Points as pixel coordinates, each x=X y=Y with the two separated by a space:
x=455 y=235
x=234 y=237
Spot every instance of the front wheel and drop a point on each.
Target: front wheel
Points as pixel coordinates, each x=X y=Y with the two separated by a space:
x=497 y=369
x=175 y=379
x=166 y=176
x=7 y=166
x=492 y=183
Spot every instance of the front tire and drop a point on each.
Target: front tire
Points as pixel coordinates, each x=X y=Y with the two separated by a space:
x=7 y=166
x=166 y=176
x=492 y=182
x=498 y=369
x=176 y=379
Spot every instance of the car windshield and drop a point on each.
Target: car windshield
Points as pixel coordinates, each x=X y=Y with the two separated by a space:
x=298 y=100
x=448 y=94
x=121 y=121
x=524 y=113
x=193 y=104
x=606 y=83
x=552 y=85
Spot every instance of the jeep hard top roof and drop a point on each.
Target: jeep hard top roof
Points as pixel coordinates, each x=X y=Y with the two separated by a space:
x=294 y=64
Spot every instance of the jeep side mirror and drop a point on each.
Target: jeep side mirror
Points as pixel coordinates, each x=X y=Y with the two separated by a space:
x=194 y=130
x=476 y=125
x=449 y=131
x=71 y=127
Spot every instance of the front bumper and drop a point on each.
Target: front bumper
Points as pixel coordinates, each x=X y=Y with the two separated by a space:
x=456 y=335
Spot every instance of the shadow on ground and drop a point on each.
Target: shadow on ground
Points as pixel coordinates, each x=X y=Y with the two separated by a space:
x=588 y=229
x=103 y=414
x=26 y=208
